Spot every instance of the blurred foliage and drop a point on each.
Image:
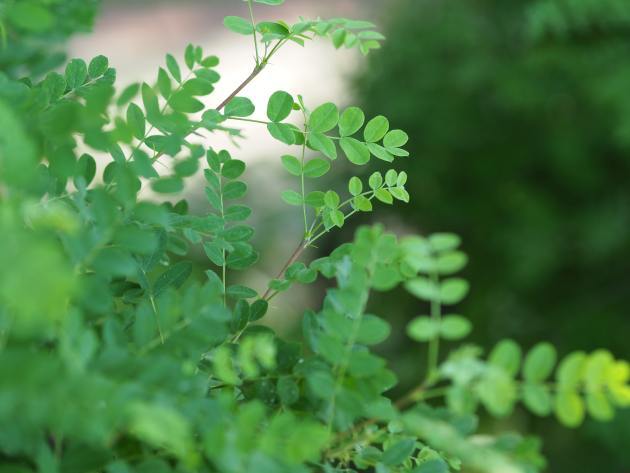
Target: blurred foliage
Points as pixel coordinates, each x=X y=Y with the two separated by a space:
x=519 y=114
x=30 y=29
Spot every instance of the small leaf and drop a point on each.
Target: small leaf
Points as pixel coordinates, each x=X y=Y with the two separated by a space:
x=537 y=399
x=234 y=190
x=375 y=181
x=316 y=168
x=362 y=203
x=174 y=276
x=76 y=73
x=384 y=196
x=168 y=185
x=233 y=169
x=282 y=132
x=355 y=186
x=98 y=66
x=279 y=106
x=351 y=120
x=323 y=143
x=324 y=118
x=569 y=408
x=539 y=362
x=292 y=197
x=239 y=107
x=376 y=129
x=356 y=151
x=315 y=199
x=238 y=25
x=135 y=120
x=292 y=164
x=395 y=139
x=189 y=56
x=507 y=356
x=237 y=213
x=423 y=329
x=331 y=199
x=183 y=101
x=173 y=67
x=455 y=327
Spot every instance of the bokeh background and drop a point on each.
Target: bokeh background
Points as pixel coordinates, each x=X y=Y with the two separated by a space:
x=519 y=118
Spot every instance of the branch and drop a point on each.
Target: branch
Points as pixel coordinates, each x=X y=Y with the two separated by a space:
x=292 y=259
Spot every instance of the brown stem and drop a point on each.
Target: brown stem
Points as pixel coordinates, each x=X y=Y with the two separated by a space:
x=251 y=77
x=292 y=259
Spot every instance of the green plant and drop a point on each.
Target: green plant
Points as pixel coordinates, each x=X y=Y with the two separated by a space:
x=118 y=355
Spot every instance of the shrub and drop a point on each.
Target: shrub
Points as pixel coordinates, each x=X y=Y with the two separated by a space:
x=118 y=355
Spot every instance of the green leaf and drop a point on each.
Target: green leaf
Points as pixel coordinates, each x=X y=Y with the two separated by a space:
x=331 y=199
x=351 y=120
x=598 y=406
x=189 y=56
x=362 y=203
x=239 y=107
x=507 y=356
x=98 y=66
x=316 y=168
x=233 y=169
x=337 y=218
x=537 y=399
x=238 y=233
x=423 y=288
x=453 y=290
x=571 y=370
x=451 y=262
x=135 y=120
x=164 y=83
x=444 y=241
x=86 y=168
x=356 y=151
x=400 y=194
x=292 y=164
x=258 y=310
x=173 y=67
x=324 y=118
x=376 y=129
x=182 y=101
x=279 y=106
x=497 y=392
x=174 y=276
x=234 y=190
x=380 y=152
x=423 y=329
x=288 y=390
x=355 y=186
x=398 y=452
x=569 y=408
x=384 y=196
x=76 y=73
x=237 y=213
x=455 y=327
x=198 y=87
x=238 y=25
x=30 y=16
x=375 y=181
x=282 y=132
x=539 y=362
x=214 y=253
x=237 y=291
x=395 y=139
x=321 y=142
x=373 y=330
x=150 y=101
x=292 y=197
x=315 y=199
x=168 y=185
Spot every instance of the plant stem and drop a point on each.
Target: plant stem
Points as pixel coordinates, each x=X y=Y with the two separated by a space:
x=251 y=15
x=292 y=259
x=302 y=188
x=242 y=85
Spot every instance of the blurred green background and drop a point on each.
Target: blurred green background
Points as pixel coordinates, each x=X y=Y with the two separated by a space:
x=519 y=118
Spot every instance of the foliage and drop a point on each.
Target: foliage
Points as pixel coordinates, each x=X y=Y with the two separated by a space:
x=29 y=27
x=118 y=354
x=519 y=115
